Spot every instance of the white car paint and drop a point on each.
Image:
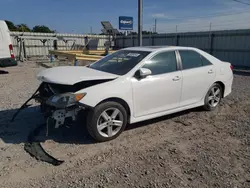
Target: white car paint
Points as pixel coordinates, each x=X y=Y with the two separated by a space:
x=146 y=101
x=5 y=40
x=191 y=78
x=68 y=75
x=152 y=96
x=7 y=57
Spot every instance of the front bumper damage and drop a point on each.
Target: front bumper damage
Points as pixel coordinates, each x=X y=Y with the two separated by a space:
x=58 y=115
x=55 y=117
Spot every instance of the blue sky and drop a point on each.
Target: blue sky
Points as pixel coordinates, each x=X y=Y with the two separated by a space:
x=77 y=16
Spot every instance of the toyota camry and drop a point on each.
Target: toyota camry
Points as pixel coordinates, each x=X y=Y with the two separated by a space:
x=132 y=85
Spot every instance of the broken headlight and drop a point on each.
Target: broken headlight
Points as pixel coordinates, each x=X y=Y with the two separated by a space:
x=65 y=100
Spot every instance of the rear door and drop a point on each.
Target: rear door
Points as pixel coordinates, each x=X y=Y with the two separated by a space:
x=198 y=75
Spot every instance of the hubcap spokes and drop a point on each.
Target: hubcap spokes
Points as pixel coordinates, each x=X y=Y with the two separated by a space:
x=214 y=97
x=110 y=122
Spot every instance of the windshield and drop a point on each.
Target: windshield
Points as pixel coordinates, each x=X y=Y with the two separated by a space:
x=120 y=62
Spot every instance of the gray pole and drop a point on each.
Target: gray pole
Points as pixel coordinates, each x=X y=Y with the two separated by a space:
x=155 y=26
x=176 y=35
x=140 y=22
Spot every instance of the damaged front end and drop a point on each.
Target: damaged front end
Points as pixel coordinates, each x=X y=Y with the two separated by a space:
x=60 y=106
x=57 y=102
x=60 y=102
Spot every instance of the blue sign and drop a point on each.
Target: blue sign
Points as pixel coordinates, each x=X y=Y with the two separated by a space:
x=125 y=23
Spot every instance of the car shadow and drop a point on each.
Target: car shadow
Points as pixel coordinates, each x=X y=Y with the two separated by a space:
x=242 y=72
x=29 y=119
x=162 y=118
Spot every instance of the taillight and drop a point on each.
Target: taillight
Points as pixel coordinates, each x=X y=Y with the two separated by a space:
x=11 y=51
x=231 y=67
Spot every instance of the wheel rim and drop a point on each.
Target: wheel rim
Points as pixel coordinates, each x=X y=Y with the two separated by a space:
x=110 y=122
x=214 y=96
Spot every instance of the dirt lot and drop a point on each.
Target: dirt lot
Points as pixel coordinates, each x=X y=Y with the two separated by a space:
x=189 y=149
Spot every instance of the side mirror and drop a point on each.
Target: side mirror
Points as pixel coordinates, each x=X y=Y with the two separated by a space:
x=143 y=73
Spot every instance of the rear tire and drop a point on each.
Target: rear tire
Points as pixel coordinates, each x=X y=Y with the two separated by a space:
x=106 y=121
x=213 y=97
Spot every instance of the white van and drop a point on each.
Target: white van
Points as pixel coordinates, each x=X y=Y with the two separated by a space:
x=7 y=57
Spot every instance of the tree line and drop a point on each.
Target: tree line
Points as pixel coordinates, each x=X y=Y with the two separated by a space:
x=135 y=33
x=132 y=33
x=25 y=28
x=45 y=29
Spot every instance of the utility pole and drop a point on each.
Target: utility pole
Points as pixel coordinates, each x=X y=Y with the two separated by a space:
x=140 y=22
x=210 y=39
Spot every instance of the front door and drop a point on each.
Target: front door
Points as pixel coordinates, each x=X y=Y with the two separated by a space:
x=160 y=91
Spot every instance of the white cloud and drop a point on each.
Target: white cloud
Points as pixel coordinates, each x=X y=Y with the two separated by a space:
x=161 y=15
x=149 y=7
x=167 y=23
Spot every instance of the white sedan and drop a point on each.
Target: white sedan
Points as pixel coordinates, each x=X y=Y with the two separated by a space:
x=133 y=85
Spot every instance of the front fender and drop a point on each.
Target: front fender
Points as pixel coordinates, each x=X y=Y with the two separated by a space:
x=119 y=88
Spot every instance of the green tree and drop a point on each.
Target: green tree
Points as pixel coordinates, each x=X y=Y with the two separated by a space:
x=23 y=28
x=148 y=32
x=42 y=29
x=11 y=25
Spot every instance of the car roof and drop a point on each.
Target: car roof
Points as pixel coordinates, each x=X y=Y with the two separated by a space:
x=158 y=48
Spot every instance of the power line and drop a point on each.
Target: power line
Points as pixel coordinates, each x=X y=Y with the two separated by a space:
x=216 y=22
x=199 y=27
x=228 y=13
x=238 y=1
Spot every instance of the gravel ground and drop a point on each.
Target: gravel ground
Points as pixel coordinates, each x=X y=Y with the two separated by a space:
x=188 y=149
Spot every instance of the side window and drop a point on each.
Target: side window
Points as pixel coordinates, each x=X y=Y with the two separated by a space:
x=205 y=62
x=161 y=63
x=190 y=59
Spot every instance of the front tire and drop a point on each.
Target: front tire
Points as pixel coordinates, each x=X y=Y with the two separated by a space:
x=213 y=97
x=107 y=121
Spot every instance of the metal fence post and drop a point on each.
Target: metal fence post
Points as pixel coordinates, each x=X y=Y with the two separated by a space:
x=211 y=36
x=75 y=62
x=24 y=50
x=123 y=42
x=177 y=40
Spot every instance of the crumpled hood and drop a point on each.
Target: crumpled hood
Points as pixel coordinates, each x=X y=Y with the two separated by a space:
x=69 y=75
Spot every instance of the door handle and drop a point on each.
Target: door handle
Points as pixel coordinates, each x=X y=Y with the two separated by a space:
x=176 y=78
x=210 y=71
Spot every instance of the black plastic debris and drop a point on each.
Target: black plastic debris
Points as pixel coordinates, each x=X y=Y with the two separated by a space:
x=25 y=105
x=4 y=72
x=34 y=148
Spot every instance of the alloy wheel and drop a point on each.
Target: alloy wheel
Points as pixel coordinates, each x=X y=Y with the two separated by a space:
x=214 y=96
x=110 y=122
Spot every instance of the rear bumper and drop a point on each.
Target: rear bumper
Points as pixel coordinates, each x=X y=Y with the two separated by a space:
x=228 y=86
x=7 y=62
